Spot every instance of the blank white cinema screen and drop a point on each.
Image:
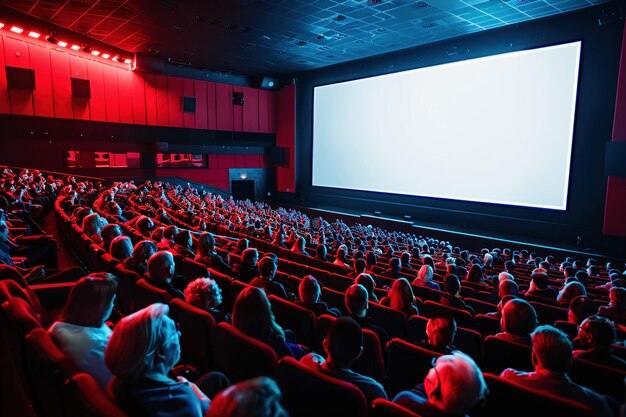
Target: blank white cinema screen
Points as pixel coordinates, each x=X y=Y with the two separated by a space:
x=497 y=129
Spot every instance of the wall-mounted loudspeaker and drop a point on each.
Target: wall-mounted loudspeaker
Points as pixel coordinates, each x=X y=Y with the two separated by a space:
x=22 y=78
x=237 y=98
x=189 y=104
x=277 y=156
x=80 y=88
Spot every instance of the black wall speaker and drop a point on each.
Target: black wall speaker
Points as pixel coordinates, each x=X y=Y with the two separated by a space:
x=277 y=156
x=81 y=88
x=22 y=78
x=189 y=104
x=150 y=64
x=615 y=156
x=237 y=98
x=159 y=147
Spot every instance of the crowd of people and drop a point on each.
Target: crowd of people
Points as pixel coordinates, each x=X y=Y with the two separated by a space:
x=151 y=228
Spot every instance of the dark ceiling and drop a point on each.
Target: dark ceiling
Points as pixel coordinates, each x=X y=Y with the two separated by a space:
x=277 y=37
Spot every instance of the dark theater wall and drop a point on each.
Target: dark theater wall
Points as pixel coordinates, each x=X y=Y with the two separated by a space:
x=581 y=225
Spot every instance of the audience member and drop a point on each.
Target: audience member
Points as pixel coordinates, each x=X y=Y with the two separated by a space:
x=207 y=254
x=161 y=267
x=138 y=261
x=580 y=308
x=309 y=292
x=596 y=334
x=369 y=283
x=539 y=286
x=617 y=303
x=569 y=291
x=258 y=397
x=440 y=333
x=121 y=248
x=452 y=298
x=205 y=294
x=246 y=269
x=265 y=280
x=357 y=304
x=518 y=321
x=425 y=278
x=183 y=242
x=401 y=298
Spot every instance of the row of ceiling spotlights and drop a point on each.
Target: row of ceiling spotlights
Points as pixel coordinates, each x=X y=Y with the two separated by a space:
x=52 y=39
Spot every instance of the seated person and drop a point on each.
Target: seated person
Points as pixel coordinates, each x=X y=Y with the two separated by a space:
x=539 y=286
x=253 y=316
x=401 y=298
x=369 y=283
x=394 y=269
x=309 y=292
x=343 y=346
x=596 y=334
x=452 y=298
x=552 y=357
x=265 y=280
x=142 y=350
x=617 y=303
x=358 y=268
x=205 y=294
x=580 y=308
x=138 y=261
x=341 y=257
x=207 y=254
x=121 y=248
x=108 y=233
x=246 y=269
x=299 y=246
x=161 y=267
x=357 y=303
x=425 y=278
x=321 y=253
x=182 y=245
x=257 y=397
x=505 y=287
x=167 y=241
x=518 y=321
x=440 y=333
x=569 y=291
x=81 y=332
x=452 y=387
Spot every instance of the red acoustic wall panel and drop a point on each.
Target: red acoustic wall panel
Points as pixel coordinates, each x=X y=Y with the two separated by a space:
x=124 y=90
x=162 y=97
x=201 y=120
x=238 y=111
x=189 y=118
x=42 y=97
x=272 y=102
x=251 y=110
x=4 y=93
x=263 y=111
x=80 y=105
x=16 y=54
x=175 y=101
x=211 y=98
x=139 y=98
x=62 y=87
x=224 y=101
x=97 y=105
x=151 y=102
x=285 y=138
x=111 y=94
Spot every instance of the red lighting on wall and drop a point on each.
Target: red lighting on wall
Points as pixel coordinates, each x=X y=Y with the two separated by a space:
x=16 y=29
x=34 y=35
x=62 y=44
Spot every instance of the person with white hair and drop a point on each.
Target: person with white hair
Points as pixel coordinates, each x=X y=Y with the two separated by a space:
x=425 y=278
x=452 y=387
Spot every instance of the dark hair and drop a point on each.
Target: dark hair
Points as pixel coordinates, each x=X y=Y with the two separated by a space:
x=452 y=284
x=344 y=340
x=90 y=300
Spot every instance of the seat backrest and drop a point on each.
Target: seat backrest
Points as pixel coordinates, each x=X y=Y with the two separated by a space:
x=10 y=289
x=463 y=318
x=506 y=398
x=570 y=329
x=309 y=393
x=548 y=314
x=334 y=299
x=147 y=294
x=296 y=318
x=407 y=365
x=126 y=280
x=196 y=327
x=83 y=397
x=486 y=325
x=191 y=269
x=340 y=282
x=481 y=306
x=416 y=328
x=600 y=378
x=500 y=354
x=393 y=321
x=240 y=356
x=470 y=342
x=386 y=408
x=47 y=367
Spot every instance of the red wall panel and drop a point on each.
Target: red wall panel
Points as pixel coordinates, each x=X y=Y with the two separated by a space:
x=111 y=94
x=175 y=101
x=285 y=137
x=97 y=106
x=211 y=97
x=80 y=105
x=615 y=207
x=62 y=87
x=42 y=97
x=263 y=111
x=201 y=121
x=124 y=89
x=272 y=102
x=163 y=114
x=139 y=98
x=619 y=119
x=224 y=101
x=151 y=103
x=189 y=119
x=16 y=54
x=251 y=110
x=238 y=111
x=4 y=93
x=225 y=161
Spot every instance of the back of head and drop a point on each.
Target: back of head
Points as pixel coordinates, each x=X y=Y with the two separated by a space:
x=161 y=266
x=367 y=281
x=170 y=231
x=250 y=256
x=132 y=348
x=540 y=279
x=617 y=296
x=455 y=384
x=597 y=332
x=144 y=249
x=252 y=314
x=581 y=307
x=267 y=267
x=344 y=341
x=441 y=330
x=203 y=293
x=359 y=265
x=356 y=299
x=121 y=248
x=570 y=291
x=508 y=287
x=425 y=273
x=182 y=237
x=504 y=276
x=309 y=290
x=452 y=284
x=91 y=300
x=518 y=317
x=552 y=349
x=258 y=397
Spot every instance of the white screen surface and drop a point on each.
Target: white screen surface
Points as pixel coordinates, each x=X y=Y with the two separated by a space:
x=497 y=129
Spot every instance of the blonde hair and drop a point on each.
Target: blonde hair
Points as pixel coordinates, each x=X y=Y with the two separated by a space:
x=401 y=295
x=258 y=397
x=200 y=290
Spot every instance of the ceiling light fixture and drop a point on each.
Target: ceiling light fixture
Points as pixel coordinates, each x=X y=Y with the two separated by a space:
x=62 y=44
x=94 y=52
x=75 y=48
x=105 y=56
x=34 y=34
x=16 y=29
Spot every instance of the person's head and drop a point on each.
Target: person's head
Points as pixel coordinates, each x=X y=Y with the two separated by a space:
x=344 y=342
x=581 y=276
x=475 y=273
x=145 y=342
x=183 y=238
x=488 y=259
x=359 y=265
x=552 y=349
x=250 y=256
x=368 y=282
x=441 y=330
x=519 y=318
x=581 y=307
x=540 y=279
x=121 y=248
x=596 y=332
x=206 y=243
x=428 y=260
x=570 y=291
x=257 y=397
x=309 y=290
x=81 y=213
x=320 y=250
x=507 y=287
x=569 y=271
x=170 y=231
x=253 y=316
x=356 y=299
x=505 y=276
x=92 y=225
x=371 y=258
x=161 y=266
x=452 y=284
x=509 y=266
x=242 y=244
x=144 y=249
x=110 y=231
x=267 y=268
x=617 y=296
x=455 y=384
x=90 y=301
x=203 y=293
x=425 y=273
x=401 y=295
x=145 y=225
